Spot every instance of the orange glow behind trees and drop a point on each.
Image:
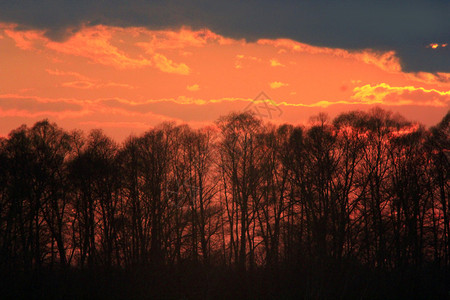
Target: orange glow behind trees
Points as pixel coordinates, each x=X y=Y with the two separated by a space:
x=126 y=80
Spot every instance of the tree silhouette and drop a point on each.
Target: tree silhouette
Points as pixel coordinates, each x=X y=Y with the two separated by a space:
x=182 y=212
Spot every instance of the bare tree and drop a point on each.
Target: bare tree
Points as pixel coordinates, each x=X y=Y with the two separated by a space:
x=240 y=155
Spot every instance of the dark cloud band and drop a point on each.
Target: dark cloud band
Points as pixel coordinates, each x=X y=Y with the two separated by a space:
x=404 y=26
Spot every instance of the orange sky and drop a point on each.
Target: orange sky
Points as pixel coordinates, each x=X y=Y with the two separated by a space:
x=125 y=80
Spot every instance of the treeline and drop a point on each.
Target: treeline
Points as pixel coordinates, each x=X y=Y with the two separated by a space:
x=369 y=189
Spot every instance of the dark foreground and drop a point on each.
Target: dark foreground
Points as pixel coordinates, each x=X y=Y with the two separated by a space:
x=191 y=282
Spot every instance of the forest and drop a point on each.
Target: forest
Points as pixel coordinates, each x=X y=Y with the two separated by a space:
x=355 y=207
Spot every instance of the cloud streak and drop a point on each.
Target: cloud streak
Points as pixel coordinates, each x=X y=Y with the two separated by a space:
x=30 y=106
x=84 y=82
x=387 y=61
x=406 y=95
x=277 y=84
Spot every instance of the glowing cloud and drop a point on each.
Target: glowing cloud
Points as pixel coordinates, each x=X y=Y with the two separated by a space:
x=24 y=40
x=406 y=95
x=277 y=84
x=94 y=44
x=166 y=65
x=193 y=88
x=436 y=45
x=276 y=63
x=387 y=61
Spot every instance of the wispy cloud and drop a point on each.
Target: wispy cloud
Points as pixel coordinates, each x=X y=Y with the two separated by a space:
x=57 y=72
x=385 y=94
x=430 y=78
x=185 y=37
x=241 y=58
x=33 y=106
x=168 y=66
x=276 y=63
x=193 y=88
x=85 y=82
x=387 y=61
x=25 y=40
x=277 y=84
x=93 y=43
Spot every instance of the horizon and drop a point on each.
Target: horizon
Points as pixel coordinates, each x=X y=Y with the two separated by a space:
x=265 y=120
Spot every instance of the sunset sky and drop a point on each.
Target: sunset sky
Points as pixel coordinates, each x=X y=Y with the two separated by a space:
x=125 y=66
